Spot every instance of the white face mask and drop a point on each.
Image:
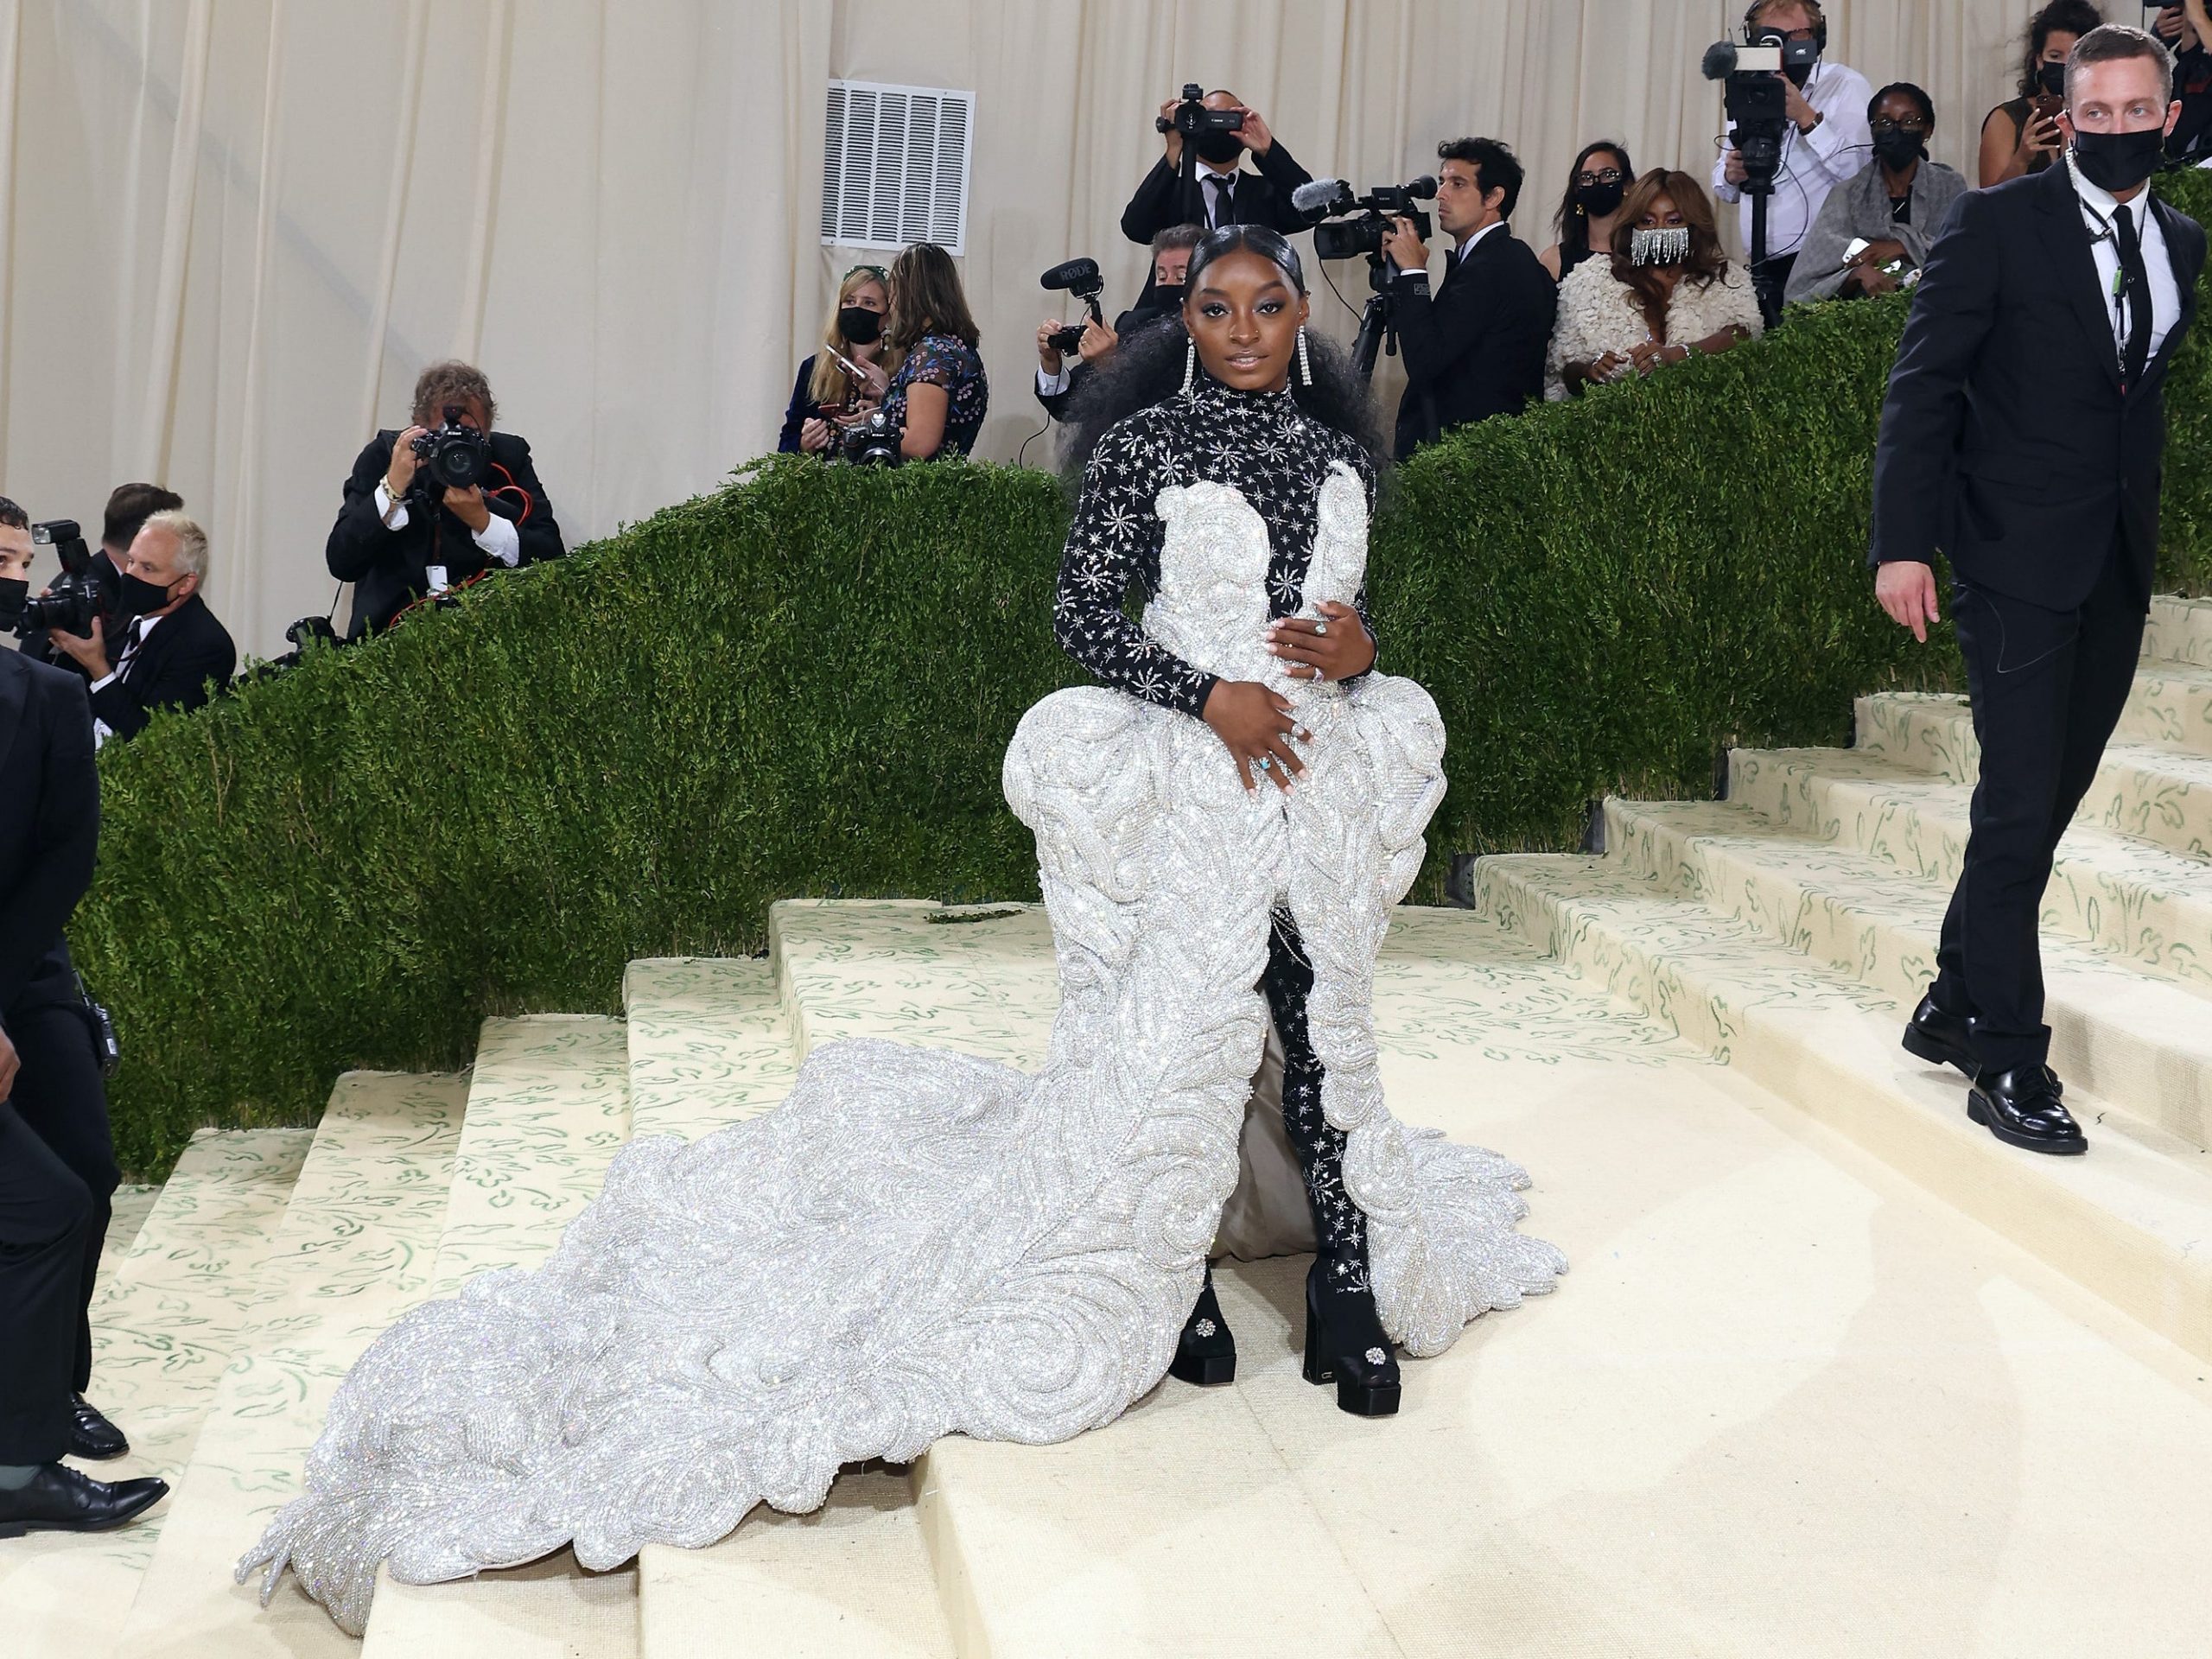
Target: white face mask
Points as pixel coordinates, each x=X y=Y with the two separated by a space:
x=1659 y=247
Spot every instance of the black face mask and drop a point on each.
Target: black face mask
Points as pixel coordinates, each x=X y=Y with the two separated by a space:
x=2119 y=161
x=1599 y=199
x=137 y=597
x=2050 y=77
x=860 y=325
x=1899 y=149
x=1167 y=297
x=1220 y=148
x=14 y=593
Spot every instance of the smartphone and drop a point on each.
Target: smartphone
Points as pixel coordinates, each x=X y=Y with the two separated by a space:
x=858 y=373
x=2044 y=106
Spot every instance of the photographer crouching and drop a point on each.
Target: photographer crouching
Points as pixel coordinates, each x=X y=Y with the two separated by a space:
x=439 y=505
x=1092 y=340
x=57 y=1160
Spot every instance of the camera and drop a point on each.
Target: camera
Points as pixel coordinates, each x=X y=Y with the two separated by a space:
x=1362 y=233
x=74 y=598
x=1759 y=104
x=1191 y=116
x=871 y=442
x=456 y=455
x=1080 y=278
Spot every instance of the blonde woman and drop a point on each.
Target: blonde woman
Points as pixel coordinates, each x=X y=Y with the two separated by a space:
x=855 y=332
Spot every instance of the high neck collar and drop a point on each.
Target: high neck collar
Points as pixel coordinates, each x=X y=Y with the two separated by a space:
x=1212 y=393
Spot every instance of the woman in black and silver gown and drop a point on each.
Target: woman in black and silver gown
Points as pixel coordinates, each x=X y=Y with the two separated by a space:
x=919 y=1243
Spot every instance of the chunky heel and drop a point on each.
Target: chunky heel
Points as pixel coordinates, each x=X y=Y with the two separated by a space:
x=1206 y=1354
x=1346 y=1344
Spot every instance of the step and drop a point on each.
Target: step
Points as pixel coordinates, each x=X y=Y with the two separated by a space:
x=711 y=1043
x=1758 y=1310
x=2126 y=896
x=2140 y=1042
x=549 y=1106
x=127 y=1211
x=168 y=1317
x=2170 y=707
x=2131 y=1220
x=2162 y=795
x=2180 y=631
x=355 y=1250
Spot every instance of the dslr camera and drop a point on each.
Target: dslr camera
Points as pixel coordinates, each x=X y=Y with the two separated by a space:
x=873 y=441
x=1079 y=277
x=75 y=599
x=1371 y=215
x=456 y=455
x=1191 y=116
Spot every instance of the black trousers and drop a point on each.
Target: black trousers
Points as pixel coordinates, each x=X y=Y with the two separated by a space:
x=1339 y=1225
x=2047 y=687
x=45 y=1218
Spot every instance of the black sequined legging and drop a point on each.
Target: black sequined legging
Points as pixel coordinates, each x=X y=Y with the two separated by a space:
x=1338 y=1222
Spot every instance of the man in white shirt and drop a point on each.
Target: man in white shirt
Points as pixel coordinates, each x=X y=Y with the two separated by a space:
x=1827 y=141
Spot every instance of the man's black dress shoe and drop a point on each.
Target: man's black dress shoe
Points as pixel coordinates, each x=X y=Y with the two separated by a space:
x=91 y=1434
x=2021 y=1107
x=62 y=1499
x=1940 y=1039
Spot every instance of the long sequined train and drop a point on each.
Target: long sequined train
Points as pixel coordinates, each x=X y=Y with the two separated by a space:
x=920 y=1243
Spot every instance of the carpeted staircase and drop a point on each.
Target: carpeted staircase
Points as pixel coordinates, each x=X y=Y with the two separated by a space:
x=1834 y=1373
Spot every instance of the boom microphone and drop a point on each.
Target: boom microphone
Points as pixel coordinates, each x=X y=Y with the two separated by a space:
x=1079 y=276
x=1321 y=196
x=1719 y=60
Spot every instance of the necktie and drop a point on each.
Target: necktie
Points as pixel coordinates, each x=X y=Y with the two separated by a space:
x=2137 y=294
x=131 y=636
x=1221 y=201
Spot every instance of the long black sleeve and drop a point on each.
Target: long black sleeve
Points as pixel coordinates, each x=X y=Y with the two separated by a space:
x=177 y=680
x=33 y=911
x=1113 y=545
x=800 y=412
x=359 y=537
x=1156 y=205
x=1280 y=170
x=536 y=528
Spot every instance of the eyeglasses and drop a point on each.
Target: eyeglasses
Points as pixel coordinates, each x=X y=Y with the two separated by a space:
x=1885 y=124
x=1611 y=175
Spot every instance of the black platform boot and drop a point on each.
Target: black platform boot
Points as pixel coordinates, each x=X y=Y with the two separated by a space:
x=1345 y=1343
x=1205 y=1353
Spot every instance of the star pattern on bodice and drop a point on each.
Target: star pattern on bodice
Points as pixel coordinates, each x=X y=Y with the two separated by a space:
x=1259 y=444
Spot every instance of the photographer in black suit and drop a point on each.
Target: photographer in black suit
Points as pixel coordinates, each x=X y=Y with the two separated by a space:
x=1476 y=347
x=1215 y=190
x=57 y=1161
x=169 y=649
x=129 y=506
x=2023 y=436
x=401 y=538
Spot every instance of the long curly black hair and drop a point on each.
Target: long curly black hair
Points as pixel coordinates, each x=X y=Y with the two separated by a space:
x=1147 y=367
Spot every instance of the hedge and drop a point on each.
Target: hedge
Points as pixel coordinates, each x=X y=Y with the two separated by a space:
x=803 y=683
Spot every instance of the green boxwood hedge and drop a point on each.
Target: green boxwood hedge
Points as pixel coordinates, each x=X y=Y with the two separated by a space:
x=803 y=683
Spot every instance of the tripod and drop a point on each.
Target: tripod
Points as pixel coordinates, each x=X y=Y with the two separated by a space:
x=1378 y=321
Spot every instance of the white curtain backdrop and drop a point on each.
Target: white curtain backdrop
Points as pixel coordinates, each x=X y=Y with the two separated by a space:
x=236 y=229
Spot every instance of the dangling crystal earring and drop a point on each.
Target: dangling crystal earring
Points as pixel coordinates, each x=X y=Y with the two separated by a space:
x=1304 y=363
x=1190 y=366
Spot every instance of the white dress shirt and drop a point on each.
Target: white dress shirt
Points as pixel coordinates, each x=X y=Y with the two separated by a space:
x=2099 y=210
x=1813 y=163
x=499 y=537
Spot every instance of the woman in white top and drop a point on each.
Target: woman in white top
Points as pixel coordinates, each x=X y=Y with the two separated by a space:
x=1666 y=292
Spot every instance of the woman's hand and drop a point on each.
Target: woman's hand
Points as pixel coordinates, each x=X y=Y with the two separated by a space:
x=2039 y=136
x=814 y=435
x=874 y=381
x=1335 y=647
x=1257 y=726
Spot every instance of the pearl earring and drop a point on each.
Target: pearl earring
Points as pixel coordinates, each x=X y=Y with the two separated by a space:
x=1190 y=366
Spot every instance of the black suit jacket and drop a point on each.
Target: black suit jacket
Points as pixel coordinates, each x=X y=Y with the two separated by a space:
x=170 y=669
x=2007 y=440
x=389 y=569
x=1476 y=347
x=49 y=826
x=1173 y=195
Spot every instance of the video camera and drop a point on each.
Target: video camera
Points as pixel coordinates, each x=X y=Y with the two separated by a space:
x=456 y=456
x=73 y=599
x=1191 y=116
x=1079 y=277
x=871 y=442
x=1371 y=215
x=1758 y=107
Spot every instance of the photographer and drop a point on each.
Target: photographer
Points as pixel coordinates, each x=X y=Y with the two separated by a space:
x=1476 y=348
x=1824 y=143
x=1891 y=210
x=1162 y=300
x=402 y=535
x=2022 y=136
x=129 y=506
x=57 y=1160
x=171 y=646
x=1216 y=191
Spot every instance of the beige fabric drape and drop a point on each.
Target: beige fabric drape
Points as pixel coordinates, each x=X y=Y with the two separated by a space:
x=236 y=229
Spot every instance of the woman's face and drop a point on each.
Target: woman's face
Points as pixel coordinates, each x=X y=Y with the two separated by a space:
x=1600 y=166
x=2057 y=46
x=1244 y=315
x=871 y=296
x=1661 y=214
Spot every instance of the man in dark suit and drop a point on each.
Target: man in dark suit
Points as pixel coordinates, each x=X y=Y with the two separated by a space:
x=1215 y=190
x=2022 y=435
x=57 y=1162
x=129 y=506
x=171 y=649
x=399 y=539
x=1476 y=347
